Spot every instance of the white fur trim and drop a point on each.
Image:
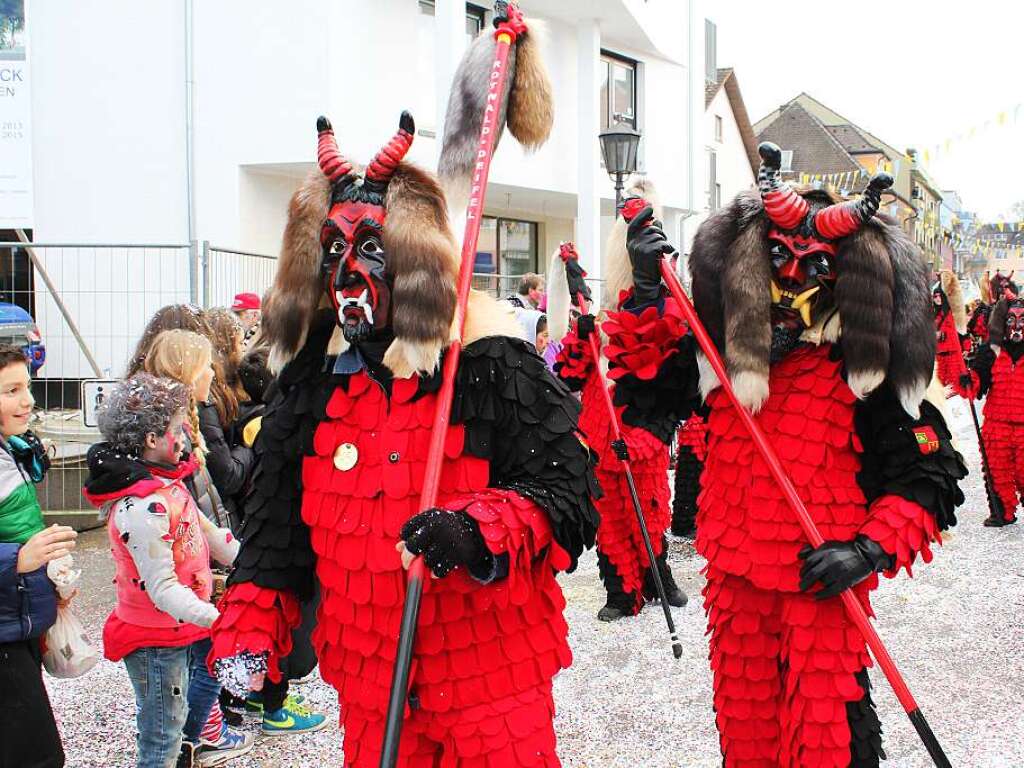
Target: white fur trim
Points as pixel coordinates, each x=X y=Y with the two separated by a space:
x=751 y=389
x=911 y=397
x=863 y=383
x=708 y=378
x=559 y=300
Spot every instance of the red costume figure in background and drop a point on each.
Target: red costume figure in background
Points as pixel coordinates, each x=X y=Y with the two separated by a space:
x=800 y=293
x=950 y=326
x=622 y=557
x=691 y=452
x=996 y=376
x=341 y=456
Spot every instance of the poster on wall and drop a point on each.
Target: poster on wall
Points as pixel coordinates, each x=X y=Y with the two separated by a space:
x=15 y=138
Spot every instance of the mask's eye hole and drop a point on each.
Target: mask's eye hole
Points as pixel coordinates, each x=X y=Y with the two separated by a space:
x=338 y=246
x=819 y=266
x=371 y=247
x=779 y=255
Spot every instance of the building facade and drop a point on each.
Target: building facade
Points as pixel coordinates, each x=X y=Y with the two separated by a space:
x=176 y=120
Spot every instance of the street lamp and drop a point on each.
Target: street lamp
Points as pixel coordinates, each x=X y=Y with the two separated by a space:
x=618 y=147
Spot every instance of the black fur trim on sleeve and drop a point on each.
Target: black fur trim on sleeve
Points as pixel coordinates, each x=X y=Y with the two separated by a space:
x=912 y=458
x=276 y=552
x=660 y=404
x=521 y=418
x=981 y=363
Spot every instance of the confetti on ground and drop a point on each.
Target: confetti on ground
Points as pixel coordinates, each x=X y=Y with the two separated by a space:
x=956 y=631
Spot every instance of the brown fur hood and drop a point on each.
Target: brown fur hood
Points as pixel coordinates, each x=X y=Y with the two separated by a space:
x=882 y=295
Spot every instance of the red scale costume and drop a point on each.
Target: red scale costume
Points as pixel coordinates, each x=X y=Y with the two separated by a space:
x=691 y=452
x=341 y=458
x=997 y=376
x=622 y=556
x=950 y=328
x=799 y=293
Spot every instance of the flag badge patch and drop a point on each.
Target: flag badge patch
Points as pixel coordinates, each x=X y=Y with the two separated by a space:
x=927 y=440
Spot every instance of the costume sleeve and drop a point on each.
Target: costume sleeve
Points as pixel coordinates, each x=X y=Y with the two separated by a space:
x=574 y=362
x=145 y=530
x=909 y=474
x=521 y=418
x=229 y=468
x=222 y=543
x=652 y=360
x=274 y=568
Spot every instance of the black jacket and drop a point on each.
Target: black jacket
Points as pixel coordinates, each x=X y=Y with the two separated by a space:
x=229 y=465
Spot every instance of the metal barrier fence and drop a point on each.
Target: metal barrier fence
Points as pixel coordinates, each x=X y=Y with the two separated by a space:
x=79 y=309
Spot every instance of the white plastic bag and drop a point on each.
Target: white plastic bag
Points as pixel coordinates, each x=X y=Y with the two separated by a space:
x=68 y=651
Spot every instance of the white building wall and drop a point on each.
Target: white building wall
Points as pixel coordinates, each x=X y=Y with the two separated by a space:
x=109 y=127
x=734 y=171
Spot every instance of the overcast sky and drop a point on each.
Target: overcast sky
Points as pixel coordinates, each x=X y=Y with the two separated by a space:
x=915 y=74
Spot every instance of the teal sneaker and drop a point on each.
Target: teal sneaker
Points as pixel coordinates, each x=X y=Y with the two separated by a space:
x=293 y=717
x=254 y=702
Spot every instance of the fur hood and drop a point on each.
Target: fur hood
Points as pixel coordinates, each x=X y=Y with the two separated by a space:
x=422 y=257
x=950 y=284
x=882 y=296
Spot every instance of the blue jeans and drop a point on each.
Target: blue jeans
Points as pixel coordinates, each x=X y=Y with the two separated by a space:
x=173 y=696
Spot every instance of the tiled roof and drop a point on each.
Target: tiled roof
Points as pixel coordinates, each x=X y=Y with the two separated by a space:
x=852 y=139
x=815 y=149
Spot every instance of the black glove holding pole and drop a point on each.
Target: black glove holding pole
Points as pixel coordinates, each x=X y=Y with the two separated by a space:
x=646 y=244
x=839 y=565
x=447 y=540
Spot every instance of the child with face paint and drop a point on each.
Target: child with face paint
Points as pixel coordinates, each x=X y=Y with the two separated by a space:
x=162 y=546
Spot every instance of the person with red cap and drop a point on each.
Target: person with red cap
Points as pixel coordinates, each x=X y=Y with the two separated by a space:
x=247 y=307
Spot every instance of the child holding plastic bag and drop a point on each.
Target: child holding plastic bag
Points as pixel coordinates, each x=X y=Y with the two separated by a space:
x=68 y=652
x=162 y=547
x=28 y=600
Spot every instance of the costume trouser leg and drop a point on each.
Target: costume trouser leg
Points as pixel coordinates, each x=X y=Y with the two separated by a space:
x=788 y=679
x=622 y=556
x=515 y=732
x=1001 y=450
x=687 y=487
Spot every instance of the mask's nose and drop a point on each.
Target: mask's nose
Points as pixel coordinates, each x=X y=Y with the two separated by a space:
x=792 y=275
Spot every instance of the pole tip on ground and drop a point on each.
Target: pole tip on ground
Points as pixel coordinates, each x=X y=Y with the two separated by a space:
x=677 y=650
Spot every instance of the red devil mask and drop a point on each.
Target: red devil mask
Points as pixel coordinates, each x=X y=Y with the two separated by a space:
x=1015 y=323
x=803 y=242
x=353 y=261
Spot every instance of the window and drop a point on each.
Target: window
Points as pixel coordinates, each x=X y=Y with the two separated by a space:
x=506 y=247
x=710 y=51
x=787 y=160
x=718 y=128
x=475 y=16
x=618 y=91
x=714 y=189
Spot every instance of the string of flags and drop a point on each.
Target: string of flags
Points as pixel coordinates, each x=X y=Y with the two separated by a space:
x=843 y=180
x=1005 y=118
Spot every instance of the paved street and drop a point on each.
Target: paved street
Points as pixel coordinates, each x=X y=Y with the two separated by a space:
x=956 y=630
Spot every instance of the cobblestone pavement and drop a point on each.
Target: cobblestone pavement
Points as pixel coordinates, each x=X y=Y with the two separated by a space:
x=956 y=631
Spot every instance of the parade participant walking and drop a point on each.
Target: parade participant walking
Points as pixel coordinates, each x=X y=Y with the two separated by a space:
x=806 y=296
x=162 y=548
x=691 y=450
x=950 y=326
x=995 y=376
x=622 y=557
x=341 y=454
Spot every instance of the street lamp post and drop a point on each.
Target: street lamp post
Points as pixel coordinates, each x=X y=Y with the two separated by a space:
x=619 y=148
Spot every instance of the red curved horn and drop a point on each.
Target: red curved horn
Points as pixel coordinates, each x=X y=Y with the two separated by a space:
x=384 y=164
x=784 y=206
x=333 y=164
x=844 y=219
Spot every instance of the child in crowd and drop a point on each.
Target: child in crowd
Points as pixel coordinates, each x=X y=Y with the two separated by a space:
x=28 y=600
x=162 y=547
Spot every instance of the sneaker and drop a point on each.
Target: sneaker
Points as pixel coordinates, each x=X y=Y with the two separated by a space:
x=254 y=704
x=186 y=759
x=230 y=745
x=293 y=717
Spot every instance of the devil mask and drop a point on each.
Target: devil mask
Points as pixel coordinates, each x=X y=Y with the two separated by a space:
x=354 y=263
x=803 y=241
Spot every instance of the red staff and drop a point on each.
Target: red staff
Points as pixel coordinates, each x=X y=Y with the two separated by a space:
x=510 y=25
x=854 y=609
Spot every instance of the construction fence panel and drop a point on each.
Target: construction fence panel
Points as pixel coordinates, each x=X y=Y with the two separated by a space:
x=78 y=310
x=227 y=271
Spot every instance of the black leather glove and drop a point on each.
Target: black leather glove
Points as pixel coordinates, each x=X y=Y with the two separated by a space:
x=447 y=540
x=839 y=565
x=574 y=276
x=966 y=382
x=584 y=327
x=646 y=244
